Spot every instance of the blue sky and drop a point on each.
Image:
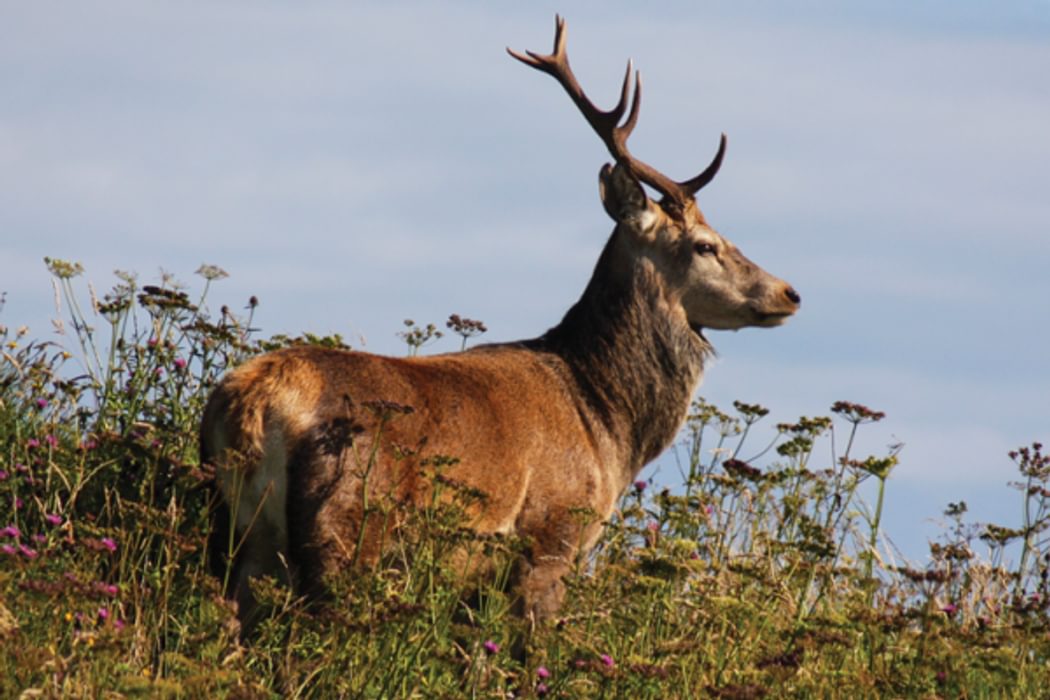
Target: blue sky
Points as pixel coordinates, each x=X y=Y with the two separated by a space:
x=355 y=164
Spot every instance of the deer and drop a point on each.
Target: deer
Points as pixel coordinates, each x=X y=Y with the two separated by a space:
x=543 y=428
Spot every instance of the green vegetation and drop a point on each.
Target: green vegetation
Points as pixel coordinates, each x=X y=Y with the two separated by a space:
x=760 y=577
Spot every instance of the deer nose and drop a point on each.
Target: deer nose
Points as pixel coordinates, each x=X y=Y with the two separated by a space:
x=793 y=295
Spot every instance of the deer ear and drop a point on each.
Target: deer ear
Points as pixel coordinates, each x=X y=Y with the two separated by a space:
x=621 y=193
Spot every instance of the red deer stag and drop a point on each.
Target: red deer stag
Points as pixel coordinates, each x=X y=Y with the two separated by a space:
x=542 y=427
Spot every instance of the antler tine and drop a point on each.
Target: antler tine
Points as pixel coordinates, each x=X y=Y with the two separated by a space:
x=607 y=123
x=693 y=185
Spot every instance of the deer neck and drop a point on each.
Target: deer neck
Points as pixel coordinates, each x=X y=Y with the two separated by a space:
x=634 y=358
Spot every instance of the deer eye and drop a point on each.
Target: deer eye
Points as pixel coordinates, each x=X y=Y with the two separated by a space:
x=704 y=249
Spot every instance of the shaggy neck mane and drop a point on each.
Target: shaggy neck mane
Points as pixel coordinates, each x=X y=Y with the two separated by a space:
x=636 y=364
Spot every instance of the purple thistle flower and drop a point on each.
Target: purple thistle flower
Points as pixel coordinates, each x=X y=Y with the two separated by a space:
x=180 y=363
x=491 y=647
x=32 y=443
x=607 y=661
x=51 y=440
x=27 y=552
x=3 y=475
x=18 y=503
x=8 y=548
x=103 y=614
x=950 y=608
x=542 y=689
x=53 y=519
x=118 y=624
x=10 y=531
x=39 y=539
x=543 y=673
x=640 y=485
x=109 y=544
x=41 y=403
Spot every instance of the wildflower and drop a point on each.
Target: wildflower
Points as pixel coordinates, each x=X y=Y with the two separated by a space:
x=41 y=403
x=88 y=445
x=103 y=614
x=950 y=609
x=39 y=539
x=118 y=624
x=491 y=647
x=51 y=440
x=109 y=544
x=543 y=672
x=10 y=531
x=32 y=443
x=53 y=519
x=607 y=661
x=640 y=485
x=3 y=475
x=18 y=503
x=211 y=272
x=542 y=689
x=27 y=552
x=8 y=548
x=180 y=363
x=109 y=589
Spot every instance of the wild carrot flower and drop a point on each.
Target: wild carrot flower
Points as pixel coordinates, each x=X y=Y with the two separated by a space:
x=491 y=647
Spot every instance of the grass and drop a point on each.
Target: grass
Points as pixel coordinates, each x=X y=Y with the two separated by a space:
x=760 y=576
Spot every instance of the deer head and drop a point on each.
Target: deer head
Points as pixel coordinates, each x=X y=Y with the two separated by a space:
x=706 y=277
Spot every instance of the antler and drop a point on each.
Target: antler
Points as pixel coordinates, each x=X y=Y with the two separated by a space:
x=607 y=123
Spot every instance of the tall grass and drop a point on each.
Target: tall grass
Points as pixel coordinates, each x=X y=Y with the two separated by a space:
x=761 y=575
